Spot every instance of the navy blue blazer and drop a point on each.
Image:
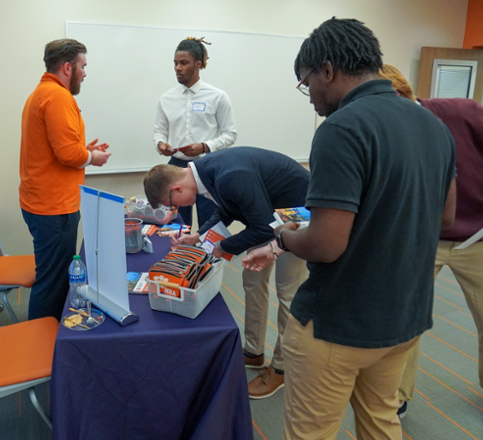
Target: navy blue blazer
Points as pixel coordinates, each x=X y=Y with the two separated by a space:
x=248 y=183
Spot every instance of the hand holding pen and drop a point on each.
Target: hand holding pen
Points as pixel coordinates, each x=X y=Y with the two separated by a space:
x=185 y=239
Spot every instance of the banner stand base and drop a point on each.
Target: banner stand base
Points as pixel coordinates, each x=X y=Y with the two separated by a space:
x=122 y=316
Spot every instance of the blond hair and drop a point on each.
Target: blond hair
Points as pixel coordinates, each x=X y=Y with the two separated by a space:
x=158 y=182
x=399 y=83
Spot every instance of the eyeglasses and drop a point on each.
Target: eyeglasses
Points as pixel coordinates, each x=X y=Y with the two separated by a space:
x=171 y=201
x=302 y=87
x=170 y=206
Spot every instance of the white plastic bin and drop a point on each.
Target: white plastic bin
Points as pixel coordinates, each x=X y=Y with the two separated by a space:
x=191 y=301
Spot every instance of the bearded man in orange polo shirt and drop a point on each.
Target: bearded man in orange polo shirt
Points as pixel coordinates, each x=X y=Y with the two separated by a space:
x=53 y=156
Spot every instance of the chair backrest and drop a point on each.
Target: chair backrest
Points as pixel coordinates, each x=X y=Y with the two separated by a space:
x=17 y=270
x=27 y=350
x=26 y=354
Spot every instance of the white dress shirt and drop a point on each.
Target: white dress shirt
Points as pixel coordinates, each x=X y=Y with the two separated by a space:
x=200 y=113
x=201 y=187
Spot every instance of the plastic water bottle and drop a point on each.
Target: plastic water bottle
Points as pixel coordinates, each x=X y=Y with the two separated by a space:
x=77 y=283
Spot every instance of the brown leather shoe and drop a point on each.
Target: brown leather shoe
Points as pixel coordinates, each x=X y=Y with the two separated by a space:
x=267 y=383
x=256 y=362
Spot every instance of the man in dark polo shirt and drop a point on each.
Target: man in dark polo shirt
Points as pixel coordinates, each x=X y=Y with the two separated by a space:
x=382 y=185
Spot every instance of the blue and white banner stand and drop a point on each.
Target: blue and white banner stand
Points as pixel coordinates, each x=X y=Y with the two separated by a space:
x=105 y=252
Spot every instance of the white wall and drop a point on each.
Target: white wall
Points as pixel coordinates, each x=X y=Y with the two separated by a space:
x=27 y=25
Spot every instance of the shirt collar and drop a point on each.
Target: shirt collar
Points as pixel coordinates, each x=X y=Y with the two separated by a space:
x=373 y=87
x=52 y=77
x=201 y=188
x=195 y=88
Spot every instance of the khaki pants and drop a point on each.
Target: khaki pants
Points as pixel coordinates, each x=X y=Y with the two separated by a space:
x=321 y=378
x=467 y=267
x=290 y=272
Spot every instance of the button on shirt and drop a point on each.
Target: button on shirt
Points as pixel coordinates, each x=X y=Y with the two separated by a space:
x=200 y=113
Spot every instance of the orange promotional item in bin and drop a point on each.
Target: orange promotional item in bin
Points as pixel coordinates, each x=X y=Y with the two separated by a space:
x=169 y=283
x=182 y=267
x=185 y=281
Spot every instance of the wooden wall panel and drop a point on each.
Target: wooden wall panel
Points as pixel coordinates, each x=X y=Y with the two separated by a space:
x=428 y=54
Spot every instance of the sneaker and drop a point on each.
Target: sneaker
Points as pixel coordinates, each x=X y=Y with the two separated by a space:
x=403 y=407
x=267 y=383
x=256 y=362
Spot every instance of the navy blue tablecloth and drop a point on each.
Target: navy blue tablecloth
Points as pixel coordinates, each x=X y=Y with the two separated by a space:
x=164 y=377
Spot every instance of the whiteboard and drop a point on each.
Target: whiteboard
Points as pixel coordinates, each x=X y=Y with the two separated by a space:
x=129 y=68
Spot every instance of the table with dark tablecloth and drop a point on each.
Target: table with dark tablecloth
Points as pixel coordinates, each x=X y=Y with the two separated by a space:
x=164 y=377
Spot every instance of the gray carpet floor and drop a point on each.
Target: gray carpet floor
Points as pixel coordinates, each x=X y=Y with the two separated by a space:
x=448 y=403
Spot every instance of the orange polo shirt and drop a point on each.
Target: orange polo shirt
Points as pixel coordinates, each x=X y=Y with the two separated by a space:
x=52 y=148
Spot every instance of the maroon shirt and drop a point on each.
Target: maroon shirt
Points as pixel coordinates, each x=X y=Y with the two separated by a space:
x=464 y=118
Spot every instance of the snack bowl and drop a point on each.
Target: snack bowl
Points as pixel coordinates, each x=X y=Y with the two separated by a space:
x=77 y=320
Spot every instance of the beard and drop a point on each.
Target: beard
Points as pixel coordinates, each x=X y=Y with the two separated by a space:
x=74 y=85
x=186 y=77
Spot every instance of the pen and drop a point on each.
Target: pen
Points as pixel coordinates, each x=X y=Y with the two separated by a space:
x=179 y=233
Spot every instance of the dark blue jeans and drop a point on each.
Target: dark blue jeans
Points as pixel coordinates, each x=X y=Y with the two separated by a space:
x=205 y=208
x=55 y=238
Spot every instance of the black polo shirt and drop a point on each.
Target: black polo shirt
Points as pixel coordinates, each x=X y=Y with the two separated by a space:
x=391 y=162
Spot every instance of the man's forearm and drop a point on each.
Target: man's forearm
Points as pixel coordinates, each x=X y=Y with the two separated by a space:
x=302 y=244
x=223 y=141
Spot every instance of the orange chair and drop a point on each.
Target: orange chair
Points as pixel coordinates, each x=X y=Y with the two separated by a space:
x=26 y=354
x=15 y=271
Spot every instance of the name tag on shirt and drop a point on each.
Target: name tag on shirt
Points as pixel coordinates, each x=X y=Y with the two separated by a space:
x=198 y=106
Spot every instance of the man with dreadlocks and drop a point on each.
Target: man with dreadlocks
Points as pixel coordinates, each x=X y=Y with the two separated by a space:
x=193 y=119
x=382 y=184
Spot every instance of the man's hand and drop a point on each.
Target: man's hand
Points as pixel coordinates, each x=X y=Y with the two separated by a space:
x=99 y=158
x=292 y=226
x=192 y=149
x=93 y=146
x=258 y=259
x=165 y=149
x=185 y=239
x=217 y=253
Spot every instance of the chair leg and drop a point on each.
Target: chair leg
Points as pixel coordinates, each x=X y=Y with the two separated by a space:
x=39 y=408
x=7 y=305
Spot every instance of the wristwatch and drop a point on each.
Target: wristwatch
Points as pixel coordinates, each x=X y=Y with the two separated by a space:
x=279 y=240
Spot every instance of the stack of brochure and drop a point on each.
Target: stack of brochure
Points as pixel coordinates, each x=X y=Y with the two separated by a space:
x=137 y=282
x=184 y=266
x=299 y=215
x=185 y=281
